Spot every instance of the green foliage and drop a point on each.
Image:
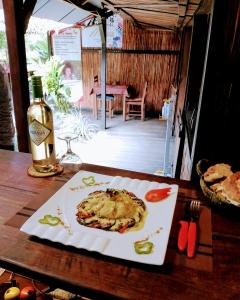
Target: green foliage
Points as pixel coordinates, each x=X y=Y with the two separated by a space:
x=3 y=47
x=36 y=50
x=3 y=40
x=54 y=85
x=41 y=49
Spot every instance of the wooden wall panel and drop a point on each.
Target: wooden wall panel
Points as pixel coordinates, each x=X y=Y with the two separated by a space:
x=160 y=70
x=140 y=39
x=132 y=69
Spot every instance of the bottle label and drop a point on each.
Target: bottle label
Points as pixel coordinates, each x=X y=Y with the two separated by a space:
x=38 y=132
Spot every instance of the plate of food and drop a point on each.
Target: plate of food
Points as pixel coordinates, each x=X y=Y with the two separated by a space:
x=115 y=216
x=220 y=182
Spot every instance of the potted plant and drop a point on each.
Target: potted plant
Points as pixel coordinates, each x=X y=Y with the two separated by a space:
x=58 y=93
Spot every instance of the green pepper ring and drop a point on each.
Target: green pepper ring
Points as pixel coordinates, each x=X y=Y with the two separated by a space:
x=50 y=220
x=143 y=247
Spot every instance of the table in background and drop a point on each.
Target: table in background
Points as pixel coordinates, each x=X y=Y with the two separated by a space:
x=102 y=277
x=110 y=89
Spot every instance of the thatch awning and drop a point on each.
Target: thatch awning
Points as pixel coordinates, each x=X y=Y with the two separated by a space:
x=165 y=14
x=148 y=14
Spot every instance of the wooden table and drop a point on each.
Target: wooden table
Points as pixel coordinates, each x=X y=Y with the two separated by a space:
x=102 y=277
x=110 y=89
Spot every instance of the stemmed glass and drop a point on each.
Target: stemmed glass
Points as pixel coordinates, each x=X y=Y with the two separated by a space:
x=69 y=156
x=67 y=134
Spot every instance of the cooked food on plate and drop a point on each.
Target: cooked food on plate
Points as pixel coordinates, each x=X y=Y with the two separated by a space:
x=217 y=172
x=113 y=210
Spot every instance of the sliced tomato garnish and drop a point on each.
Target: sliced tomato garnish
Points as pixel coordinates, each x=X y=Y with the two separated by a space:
x=123 y=229
x=157 y=194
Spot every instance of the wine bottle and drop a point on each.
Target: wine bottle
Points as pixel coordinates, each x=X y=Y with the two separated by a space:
x=40 y=127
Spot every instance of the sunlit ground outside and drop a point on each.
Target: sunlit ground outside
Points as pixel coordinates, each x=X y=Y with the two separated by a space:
x=132 y=145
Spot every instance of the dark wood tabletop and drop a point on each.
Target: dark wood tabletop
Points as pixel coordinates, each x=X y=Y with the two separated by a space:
x=212 y=274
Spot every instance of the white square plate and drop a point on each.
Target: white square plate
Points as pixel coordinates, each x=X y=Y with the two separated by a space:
x=63 y=206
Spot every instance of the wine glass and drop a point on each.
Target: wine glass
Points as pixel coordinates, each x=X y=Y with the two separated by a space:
x=69 y=156
x=67 y=134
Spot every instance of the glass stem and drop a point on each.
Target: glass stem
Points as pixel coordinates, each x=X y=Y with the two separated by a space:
x=69 y=150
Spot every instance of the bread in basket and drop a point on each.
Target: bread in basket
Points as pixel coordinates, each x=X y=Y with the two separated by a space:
x=219 y=182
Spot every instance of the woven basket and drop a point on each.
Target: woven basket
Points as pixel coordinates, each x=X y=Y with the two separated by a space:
x=215 y=198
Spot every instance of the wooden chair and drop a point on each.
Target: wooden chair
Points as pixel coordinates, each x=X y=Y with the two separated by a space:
x=135 y=107
x=109 y=101
x=109 y=104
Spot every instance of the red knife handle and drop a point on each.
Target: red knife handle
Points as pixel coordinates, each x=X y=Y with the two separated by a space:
x=183 y=235
x=192 y=235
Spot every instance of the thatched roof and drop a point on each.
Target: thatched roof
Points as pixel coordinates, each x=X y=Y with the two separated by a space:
x=159 y=14
x=148 y=14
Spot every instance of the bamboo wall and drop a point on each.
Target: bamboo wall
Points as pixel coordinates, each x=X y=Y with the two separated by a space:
x=159 y=70
x=140 y=39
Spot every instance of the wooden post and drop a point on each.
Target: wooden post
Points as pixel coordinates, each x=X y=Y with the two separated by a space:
x=103 y=72
x=18 y=68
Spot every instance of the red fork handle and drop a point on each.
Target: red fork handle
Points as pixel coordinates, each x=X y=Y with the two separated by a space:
x=183 y=235
x=192 y=236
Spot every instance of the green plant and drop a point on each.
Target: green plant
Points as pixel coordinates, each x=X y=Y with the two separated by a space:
x=36 y=49
x=3 y=40
x=3 y=48
x=54 y=86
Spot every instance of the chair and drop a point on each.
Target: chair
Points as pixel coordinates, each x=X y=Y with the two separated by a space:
x=109 y=106
x=135 y=107
x=109 y=99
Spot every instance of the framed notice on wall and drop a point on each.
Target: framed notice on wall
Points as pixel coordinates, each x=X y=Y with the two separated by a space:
x=67 y=44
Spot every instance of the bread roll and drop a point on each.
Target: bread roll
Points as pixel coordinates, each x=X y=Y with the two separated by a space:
x=216 y=172
x=231 y=187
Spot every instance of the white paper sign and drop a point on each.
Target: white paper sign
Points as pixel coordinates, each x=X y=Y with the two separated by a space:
x=91 y=37
x=67 y=44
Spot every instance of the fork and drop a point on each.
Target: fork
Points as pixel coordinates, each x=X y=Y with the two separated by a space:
x=192 y=231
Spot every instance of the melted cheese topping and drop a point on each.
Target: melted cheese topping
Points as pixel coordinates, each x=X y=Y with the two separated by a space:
x=111 y=210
